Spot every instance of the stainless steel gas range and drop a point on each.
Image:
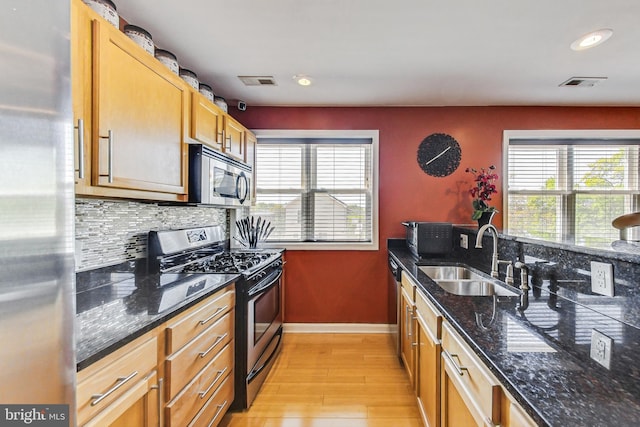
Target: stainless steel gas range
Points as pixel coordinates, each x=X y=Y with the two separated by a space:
x=202 y=252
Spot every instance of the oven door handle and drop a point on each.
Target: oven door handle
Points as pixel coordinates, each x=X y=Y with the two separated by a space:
x=256 y=370
x=265 y=283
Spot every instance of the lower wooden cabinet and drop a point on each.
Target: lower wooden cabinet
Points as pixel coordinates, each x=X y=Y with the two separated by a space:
x=122 y=387
x=513 y=415
x=453 y=386
x=206 y=383
x=187 y=362
x=139 y=406
x=408 y=327
x=217 y=405
x=470 y=393
x=428 y=327
x=199 y=364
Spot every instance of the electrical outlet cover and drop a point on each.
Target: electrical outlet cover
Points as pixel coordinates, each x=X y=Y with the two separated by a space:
x=602 y=278
x=601 y=347
x=464 y=241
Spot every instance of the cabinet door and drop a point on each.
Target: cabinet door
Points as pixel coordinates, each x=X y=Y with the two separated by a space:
x=468 y=387
x=81 y=41
x=138 y=116
x=455 y=412
x=234 y=138
x=207 y=121
x=407 y=331
x=428 y=373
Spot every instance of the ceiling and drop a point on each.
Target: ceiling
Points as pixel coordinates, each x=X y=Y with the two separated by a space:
x=401 y=53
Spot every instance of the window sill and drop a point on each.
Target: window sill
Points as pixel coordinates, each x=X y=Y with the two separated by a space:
x=328 y=246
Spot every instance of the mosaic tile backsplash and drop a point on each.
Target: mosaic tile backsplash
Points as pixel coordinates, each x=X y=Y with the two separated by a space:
x=110 y=232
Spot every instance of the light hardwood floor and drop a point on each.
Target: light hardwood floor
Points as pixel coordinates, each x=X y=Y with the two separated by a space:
x=333 y=380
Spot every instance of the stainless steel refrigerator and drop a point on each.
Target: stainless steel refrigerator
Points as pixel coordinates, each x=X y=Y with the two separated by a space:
x=37 y=302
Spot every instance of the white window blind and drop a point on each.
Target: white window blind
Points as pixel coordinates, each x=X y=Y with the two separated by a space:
x=570 y=190
x=316 y=190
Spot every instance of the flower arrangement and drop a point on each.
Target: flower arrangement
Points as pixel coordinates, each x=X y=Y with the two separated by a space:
x=482 y=190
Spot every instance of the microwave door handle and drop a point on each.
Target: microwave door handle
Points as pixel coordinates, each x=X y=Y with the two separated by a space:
x=244 y=187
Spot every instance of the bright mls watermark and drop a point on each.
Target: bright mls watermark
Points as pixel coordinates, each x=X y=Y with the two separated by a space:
x=34 y=415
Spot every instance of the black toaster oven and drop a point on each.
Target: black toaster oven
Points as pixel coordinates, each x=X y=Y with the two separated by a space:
x=426 y=239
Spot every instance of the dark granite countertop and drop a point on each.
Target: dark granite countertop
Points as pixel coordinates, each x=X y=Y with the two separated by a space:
x=541 y=354
x=117 y=304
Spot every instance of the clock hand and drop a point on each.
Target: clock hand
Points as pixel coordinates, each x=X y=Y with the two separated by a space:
x=439 y=155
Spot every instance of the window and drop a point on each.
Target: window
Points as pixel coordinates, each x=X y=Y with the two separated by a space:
x=568 y=189
x=318 y=188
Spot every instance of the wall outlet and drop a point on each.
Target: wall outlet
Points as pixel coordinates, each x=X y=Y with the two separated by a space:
x=464 y=241
x=602 y=278
x=601 y=346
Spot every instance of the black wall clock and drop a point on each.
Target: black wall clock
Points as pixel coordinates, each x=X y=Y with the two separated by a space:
x=439 y=154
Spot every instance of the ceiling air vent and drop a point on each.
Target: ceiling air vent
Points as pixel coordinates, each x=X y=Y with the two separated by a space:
x=583 y=81
x=258 y=80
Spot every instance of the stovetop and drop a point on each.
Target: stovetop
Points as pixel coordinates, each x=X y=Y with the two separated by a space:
x=229 y=262
x=203 y=250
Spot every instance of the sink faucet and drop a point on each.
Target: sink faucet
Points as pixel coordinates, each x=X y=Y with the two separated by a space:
x=524 y=285
x=494 y=255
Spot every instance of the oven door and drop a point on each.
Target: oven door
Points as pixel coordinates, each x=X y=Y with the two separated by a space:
x=264 y=315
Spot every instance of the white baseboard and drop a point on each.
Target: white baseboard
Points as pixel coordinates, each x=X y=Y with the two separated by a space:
x=339 y=328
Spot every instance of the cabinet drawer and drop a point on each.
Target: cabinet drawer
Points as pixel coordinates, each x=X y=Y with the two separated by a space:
x=189 y=324
x=103 y=386
x=212 y=412
x=191 y=399
x=140 y=404
x=476 y=385
x=188 y=361
x=429 y=314
x=519 y=418
x=408 y=286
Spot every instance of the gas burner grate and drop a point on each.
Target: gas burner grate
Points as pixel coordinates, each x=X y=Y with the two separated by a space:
x=227 y=262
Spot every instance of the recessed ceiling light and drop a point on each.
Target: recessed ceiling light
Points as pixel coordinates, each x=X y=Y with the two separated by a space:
x=302 y=80
x=592 y=39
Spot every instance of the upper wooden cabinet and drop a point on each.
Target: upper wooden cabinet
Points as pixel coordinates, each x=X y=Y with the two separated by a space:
x=234 y=135
x=133 y=111
x=207 y=122
x=134 y=117
x=81 y=47
x=138 y=117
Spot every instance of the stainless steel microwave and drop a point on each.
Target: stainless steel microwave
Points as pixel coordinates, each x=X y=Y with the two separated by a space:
x=217 y=179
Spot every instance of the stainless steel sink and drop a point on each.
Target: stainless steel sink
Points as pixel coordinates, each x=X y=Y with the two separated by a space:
x=462 y=281
x=449 y=272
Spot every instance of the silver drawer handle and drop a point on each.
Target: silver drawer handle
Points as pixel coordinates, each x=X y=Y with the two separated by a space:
x=109 y=138
x=159 y=388
x=457 y=367
x=218 y=310
x=220 y=408
x=216 y=342
x=80 y=128
x=202 y=394
x=119 y=383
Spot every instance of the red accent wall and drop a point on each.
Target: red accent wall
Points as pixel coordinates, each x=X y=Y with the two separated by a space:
x=351 y=286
